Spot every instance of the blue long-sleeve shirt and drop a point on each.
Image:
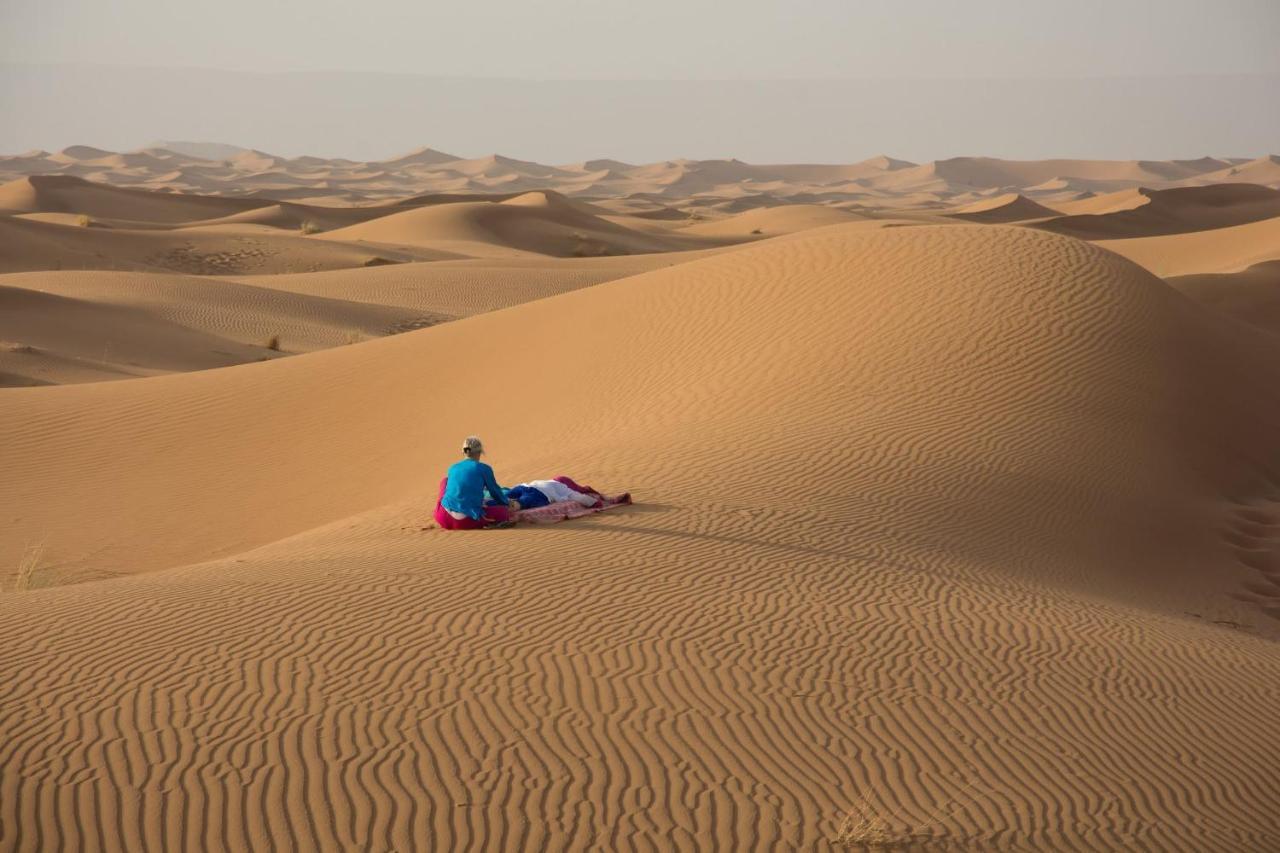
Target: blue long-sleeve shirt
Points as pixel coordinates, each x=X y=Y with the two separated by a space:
x=468 y=481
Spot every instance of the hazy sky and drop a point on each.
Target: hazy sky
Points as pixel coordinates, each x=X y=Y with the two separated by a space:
x=682 y=39
x=522 y=41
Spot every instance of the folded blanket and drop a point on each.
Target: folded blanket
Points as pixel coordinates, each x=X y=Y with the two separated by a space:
x=560 y=510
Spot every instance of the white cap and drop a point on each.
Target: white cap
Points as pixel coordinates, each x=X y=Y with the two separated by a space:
x=472 y=446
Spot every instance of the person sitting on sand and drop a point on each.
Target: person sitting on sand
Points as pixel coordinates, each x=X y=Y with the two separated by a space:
x=461 y=505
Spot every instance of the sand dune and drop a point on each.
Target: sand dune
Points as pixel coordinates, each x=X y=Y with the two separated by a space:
x=992 y=172
x=264 y=237
x=1009 y=207
x=1264 y=170
x=65 y=194
x=1100 y=203
x=285 y=216
x=523 y=225
x=80 y=153
x=884 y=181
x=50 y=339
x=294 y=313
x=32 y=162
x=423 y=156
x=689 y=177
x=85 y=326
x=1251 y=295
x=1220 y=250
x=27 y=245
x=960 y=175
x=197 y=150
x=771 y=221
x=294 y=217
x=464 y=287
x=500 y=168
x=1150 y=213
x=1041 y=458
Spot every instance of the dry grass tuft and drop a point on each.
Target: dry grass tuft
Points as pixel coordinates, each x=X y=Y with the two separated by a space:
x=866 y=827
x=84 y=221
x=309 y=227
x=28 y=565
x=273 y=343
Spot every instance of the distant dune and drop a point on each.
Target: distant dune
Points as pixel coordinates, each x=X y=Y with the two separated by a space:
x=30 y=245
x=535 y=223
x=1213 y=251
x=129 y=324
x=879 y=181
x=1174 y=211
x=199 y=150
x=1264 y=170
x=65 y=194
x=1010 y=207
x=772 y=221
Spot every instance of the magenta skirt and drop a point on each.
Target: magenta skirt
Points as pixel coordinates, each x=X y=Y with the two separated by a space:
x=492 y=515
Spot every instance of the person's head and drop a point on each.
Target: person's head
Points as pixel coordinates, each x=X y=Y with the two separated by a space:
x=472 y=447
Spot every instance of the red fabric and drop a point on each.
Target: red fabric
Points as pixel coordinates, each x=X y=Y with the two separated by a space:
x=586 y=490
x=492 y=515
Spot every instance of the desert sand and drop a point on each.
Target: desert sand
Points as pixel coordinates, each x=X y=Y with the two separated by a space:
x=957 y=518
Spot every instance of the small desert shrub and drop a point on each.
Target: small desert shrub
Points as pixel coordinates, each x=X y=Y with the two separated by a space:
x=28 y=565
x=83 y=220
x=867 y=830
x=757 y=231
x=309 y=227
x=354 y=338
x=273 y=343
